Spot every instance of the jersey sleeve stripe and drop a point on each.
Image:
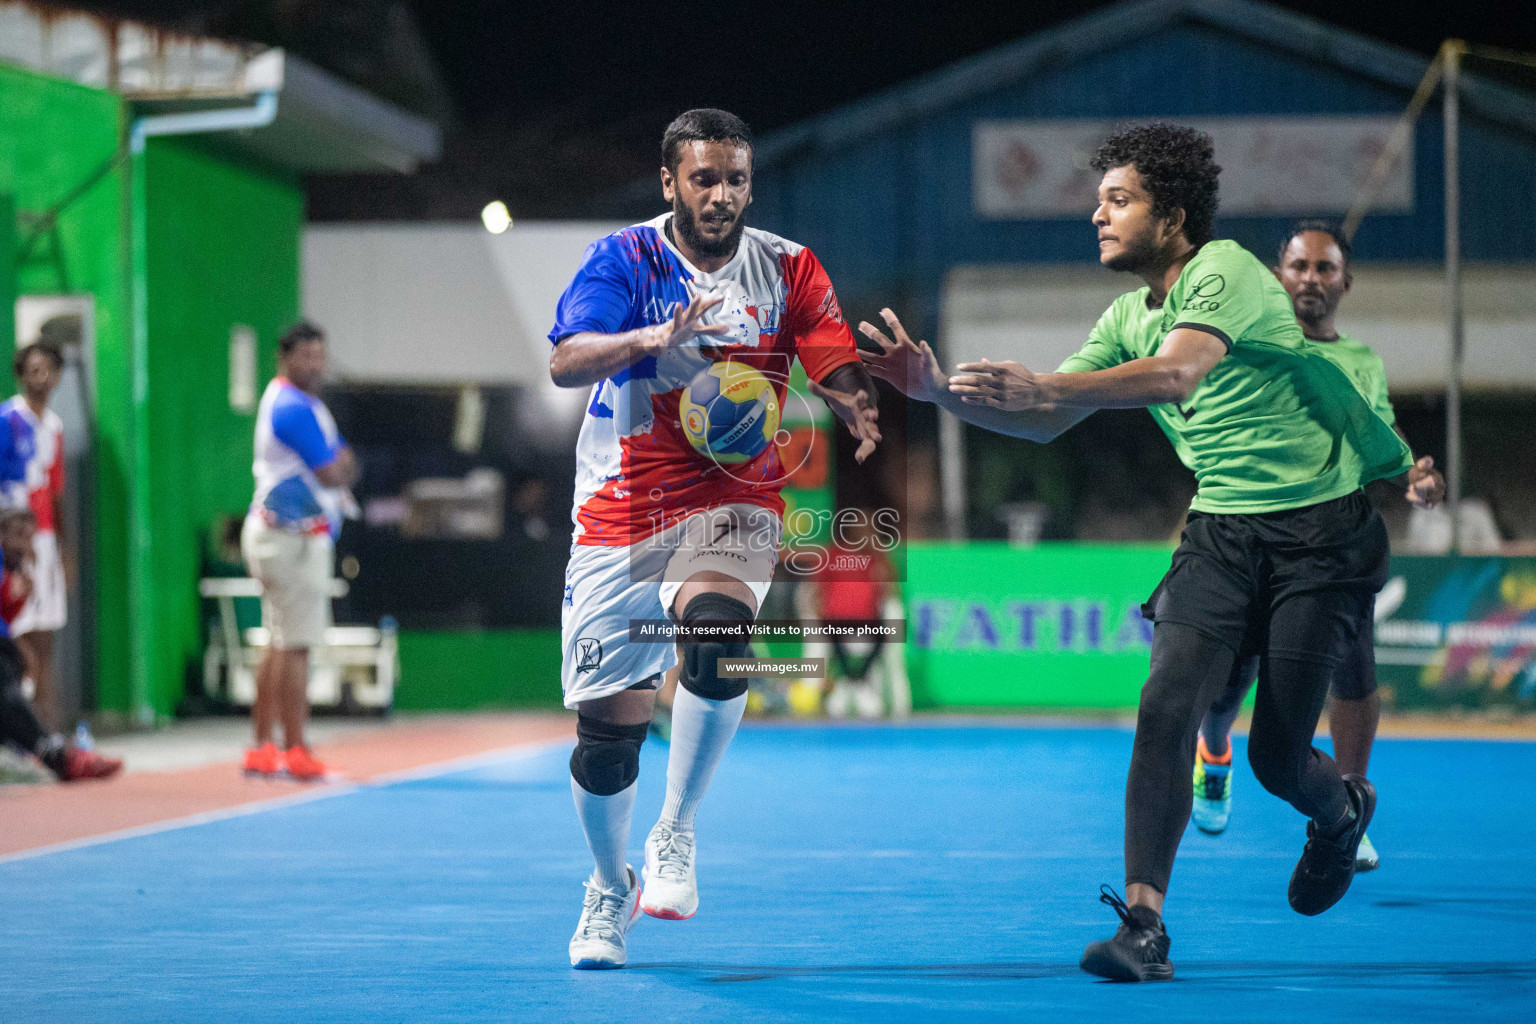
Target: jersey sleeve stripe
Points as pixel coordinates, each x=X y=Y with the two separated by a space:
x=1215 y=332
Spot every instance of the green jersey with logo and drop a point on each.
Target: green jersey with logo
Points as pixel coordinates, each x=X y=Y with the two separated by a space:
x=1364 y=368
x=1275 y=424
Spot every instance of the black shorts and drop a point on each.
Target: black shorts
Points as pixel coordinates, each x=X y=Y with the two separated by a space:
x=1232 y=570
x=1356 y=682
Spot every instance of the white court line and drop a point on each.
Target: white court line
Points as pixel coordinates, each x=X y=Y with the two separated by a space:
x=326 y=792
x=489 y=757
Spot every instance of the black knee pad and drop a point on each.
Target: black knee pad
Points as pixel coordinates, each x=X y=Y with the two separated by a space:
x=701 y=658
x=607 y=757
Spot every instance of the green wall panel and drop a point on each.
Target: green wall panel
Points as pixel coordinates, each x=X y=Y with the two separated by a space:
x=55 y=137
x=464 y=669
x=7 y=273
x=223 y=249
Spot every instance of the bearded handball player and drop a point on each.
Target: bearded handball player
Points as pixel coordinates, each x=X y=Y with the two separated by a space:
x=1280 y=538
x=1313 y=268
x=662 y=532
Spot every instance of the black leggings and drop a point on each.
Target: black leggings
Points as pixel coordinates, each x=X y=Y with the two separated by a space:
x=1190 y=669
x=1356 y=683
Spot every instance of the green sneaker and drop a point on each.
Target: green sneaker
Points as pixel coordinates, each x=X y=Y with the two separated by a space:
x=1366 y=858
x=1213 y=792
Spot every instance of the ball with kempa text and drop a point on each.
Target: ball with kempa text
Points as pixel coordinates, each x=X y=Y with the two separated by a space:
x=729 y=412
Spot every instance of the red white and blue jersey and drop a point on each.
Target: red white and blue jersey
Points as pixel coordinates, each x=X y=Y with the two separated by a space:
x=37 y=448
x=635 y=470
x=295 y=435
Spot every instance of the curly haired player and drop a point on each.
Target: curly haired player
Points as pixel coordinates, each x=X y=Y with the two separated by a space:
x=1279 y=538
x=1313 y=267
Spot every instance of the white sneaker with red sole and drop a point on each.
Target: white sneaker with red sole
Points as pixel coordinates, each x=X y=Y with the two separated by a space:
x=671 y=888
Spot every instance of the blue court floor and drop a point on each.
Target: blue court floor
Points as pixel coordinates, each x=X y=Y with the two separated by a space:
x=847 y=874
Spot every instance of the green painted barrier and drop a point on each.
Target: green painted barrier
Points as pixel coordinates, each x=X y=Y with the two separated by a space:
x=1059 y=626
x=1055 y=625
x=989 y=626
x=466 y=670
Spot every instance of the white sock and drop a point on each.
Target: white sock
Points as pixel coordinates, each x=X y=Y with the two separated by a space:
x=605 y=820
x=701 y=730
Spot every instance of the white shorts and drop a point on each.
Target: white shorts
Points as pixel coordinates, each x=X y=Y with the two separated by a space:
x=48 y=608
x=607 y=587
x=295 y=574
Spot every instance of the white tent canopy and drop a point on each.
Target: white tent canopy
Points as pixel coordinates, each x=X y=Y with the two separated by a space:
x=441 y=303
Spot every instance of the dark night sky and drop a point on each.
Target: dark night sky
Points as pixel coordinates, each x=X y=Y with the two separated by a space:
x=794 y=58
x=554 y=103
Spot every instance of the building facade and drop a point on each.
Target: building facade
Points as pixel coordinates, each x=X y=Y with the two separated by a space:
x=185 y=249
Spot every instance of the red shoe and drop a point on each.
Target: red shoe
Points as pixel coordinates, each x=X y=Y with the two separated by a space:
x=263 y=760
x=304 y=766
x=87 y=764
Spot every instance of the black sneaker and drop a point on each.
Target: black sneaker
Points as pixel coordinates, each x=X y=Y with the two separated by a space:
x=1139 y=950
x=1327 y=865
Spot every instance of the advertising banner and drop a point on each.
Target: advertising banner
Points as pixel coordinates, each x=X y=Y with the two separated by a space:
x=1059 y=625
x=1271 y=166
x=1055 y=625
x=1457 y=632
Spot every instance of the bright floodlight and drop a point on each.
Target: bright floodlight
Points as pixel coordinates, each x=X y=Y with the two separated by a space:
x=495 y=217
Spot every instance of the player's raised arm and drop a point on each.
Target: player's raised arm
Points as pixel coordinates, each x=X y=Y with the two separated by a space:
x=827 y=349
x=1171 y=375
x=850 y=392
x=912 y=369
x=587 y=357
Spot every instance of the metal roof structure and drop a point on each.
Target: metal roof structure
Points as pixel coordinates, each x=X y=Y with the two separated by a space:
x=1103 y=30
x=323 y=124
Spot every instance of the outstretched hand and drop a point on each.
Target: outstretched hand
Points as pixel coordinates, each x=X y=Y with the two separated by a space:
x=1426 y=487
x=909 y=367
x=857 y=411
x=686 y=323
x=1005 y=385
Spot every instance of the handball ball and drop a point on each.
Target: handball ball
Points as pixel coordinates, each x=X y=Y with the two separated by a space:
x=730 y=412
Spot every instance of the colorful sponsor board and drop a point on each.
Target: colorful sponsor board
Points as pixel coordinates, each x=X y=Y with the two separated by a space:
x=1059 y=625
x=1457 y=632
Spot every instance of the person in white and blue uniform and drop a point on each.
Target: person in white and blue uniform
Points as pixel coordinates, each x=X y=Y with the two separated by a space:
x=303 y=469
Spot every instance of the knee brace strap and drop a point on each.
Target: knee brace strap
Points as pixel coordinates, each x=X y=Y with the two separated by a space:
x=700 y=674
x=607 y=757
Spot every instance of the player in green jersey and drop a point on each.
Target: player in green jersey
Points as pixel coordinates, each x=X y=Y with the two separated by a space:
x=1280 y=442
x=1313 y=267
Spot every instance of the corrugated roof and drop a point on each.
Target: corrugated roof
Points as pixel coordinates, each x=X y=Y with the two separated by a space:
x=1092 y=34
